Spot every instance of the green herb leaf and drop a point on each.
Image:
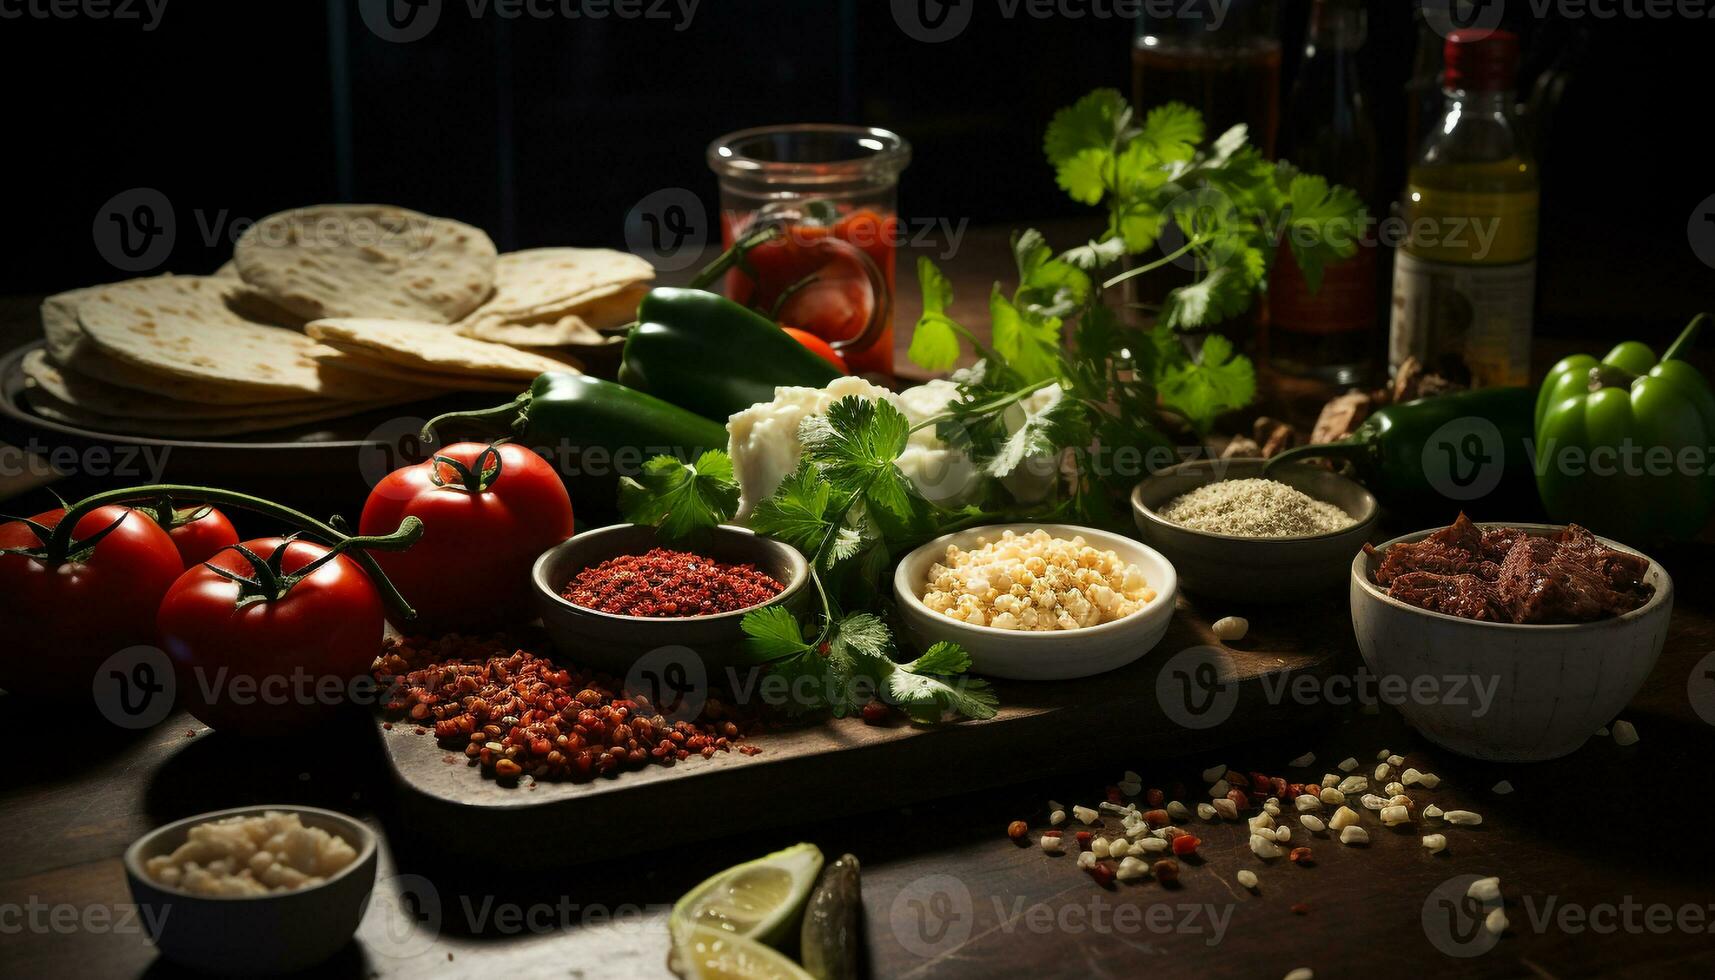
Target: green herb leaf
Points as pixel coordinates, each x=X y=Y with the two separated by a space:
x=862 y=635
x=1029 y=342
x=935 y=344
x=855 y=443
x=1218 y=381
x=1095 y=122
x=1172 y=132
x=1042 y=432
x=1046 y=286
x=1096 y=254
x=1323 y=225
x=797 y=511
x=1085 y=175
x=925 y=695
x=681 y=498
x=773 y=633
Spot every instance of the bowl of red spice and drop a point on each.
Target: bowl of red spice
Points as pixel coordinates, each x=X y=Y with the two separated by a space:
x=609 y=596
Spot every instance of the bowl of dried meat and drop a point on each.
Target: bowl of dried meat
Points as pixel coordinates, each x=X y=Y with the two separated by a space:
x=1509 y=642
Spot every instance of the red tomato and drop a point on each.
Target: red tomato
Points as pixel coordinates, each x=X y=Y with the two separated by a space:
x=818 y=346
x=471 y=568
x=198 y=540
x=61 y=623
x=271 y=665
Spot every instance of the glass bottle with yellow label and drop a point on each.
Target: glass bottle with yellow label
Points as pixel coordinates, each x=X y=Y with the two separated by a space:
x=1465 y=273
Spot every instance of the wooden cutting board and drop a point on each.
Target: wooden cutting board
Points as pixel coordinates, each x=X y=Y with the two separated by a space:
x=1167 y=703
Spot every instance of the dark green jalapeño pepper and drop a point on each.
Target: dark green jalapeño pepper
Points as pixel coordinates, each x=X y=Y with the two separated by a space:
x=1431 y=458
x=1625 y=445
x=593 y=431
x=708 y=354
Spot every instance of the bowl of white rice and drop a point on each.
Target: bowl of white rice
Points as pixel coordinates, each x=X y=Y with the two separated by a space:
x=1236 y=536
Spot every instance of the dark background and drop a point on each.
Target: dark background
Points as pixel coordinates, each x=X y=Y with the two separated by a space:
x=547 y=131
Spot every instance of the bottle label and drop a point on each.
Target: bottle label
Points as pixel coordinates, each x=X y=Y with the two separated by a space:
x=1470 y=227
x=1479 y=315
x=1345 y=303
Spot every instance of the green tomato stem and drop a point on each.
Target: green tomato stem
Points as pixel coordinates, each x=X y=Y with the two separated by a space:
x=60 y=542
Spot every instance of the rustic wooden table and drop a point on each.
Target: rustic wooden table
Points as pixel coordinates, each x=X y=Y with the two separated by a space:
x=1598 y=853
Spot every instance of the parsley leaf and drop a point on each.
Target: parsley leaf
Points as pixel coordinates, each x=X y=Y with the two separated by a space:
x=1094 y=122
x=1042 y=432
x=1218 y=381
x=797 y=511
x=773 y=634
x=681 y=498
x=935 y=344
x=855 y=443
x=921 y=690
x=1171 y=132
x=1323 y=225
x=1029 y=342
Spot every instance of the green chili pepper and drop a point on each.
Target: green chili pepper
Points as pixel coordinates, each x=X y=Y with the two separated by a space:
x=1627 y=442
x=1428 y=458
x=713 y=356
x=594 y=431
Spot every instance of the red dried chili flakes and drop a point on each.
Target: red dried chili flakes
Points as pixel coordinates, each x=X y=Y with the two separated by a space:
x=664 y=583
x=519 y=714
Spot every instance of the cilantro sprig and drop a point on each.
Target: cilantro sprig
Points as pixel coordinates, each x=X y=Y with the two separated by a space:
x=849 y=509
x=1218 y=205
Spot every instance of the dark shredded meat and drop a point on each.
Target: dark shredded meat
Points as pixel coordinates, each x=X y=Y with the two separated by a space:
x=1503 y=575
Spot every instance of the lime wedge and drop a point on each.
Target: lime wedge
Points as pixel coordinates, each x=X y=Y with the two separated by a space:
x=757 y=900
x=707 y=953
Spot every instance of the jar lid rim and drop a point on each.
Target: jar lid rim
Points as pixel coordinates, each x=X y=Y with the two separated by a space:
x=882 y=151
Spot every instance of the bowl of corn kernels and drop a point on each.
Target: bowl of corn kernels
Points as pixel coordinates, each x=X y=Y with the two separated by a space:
x=1037 y=601
x=258 y=889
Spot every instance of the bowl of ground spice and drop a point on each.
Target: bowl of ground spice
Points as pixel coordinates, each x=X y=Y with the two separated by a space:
x=1236 y=536
x=613 y=595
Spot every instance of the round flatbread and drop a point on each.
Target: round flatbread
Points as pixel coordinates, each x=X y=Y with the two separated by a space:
x=431 y=347
x=541 y=282
x=102 y=398
x=181 y=326
x=428 y=380
x=367 y=260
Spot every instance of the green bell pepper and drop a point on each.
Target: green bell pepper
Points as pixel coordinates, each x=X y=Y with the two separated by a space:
x=708 y=354
x=593 y=431
x=1625 y=445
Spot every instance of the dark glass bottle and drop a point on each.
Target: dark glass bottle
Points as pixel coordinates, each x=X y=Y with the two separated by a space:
x=1332 y=334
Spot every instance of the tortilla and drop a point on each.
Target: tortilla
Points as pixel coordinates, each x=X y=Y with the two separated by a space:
x=550 y=282
x=431 y=347
x=373 y=367
x=101 y=398
x=181 y=327
x=580 y=327
x=367 y=260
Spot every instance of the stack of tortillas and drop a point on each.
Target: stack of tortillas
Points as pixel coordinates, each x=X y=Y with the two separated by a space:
x=324 y=312
x=561 y=297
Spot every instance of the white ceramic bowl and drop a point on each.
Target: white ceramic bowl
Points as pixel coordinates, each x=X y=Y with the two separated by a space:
x=1057 y=655
x=1548 y=687
x=275 y=933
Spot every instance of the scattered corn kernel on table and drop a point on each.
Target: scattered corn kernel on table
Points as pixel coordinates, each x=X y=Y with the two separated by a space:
x=1591 y=850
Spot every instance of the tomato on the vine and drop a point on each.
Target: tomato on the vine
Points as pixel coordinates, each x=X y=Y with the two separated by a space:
x=199 y=538
x=265 y=644
x=63 y=617
x=487 y=513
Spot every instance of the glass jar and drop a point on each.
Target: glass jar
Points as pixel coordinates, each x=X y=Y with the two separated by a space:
x=831 y=194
